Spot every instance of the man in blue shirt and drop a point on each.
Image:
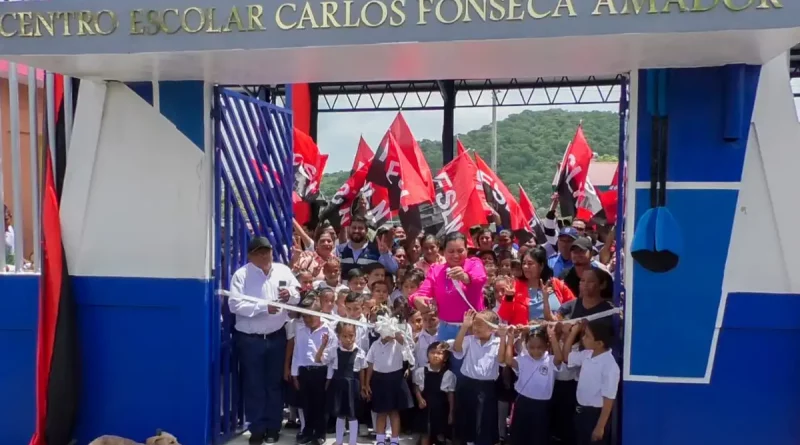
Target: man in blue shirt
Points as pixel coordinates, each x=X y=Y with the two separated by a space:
x=561 y=260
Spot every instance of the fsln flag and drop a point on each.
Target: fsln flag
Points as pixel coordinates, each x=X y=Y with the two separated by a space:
x=57 y=371
x=500 y=198
x=529 y=211
x=573 y=172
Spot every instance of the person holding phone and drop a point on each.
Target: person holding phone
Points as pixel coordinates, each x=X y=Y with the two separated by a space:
x=260 y=336
x=535 y=294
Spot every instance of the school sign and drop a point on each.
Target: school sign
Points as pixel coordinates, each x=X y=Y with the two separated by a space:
x=127 y=27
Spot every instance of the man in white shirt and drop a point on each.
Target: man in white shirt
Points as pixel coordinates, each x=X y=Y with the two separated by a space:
x=260 y=336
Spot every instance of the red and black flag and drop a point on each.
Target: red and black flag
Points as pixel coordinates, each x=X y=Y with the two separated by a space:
x=500 y=199
x=527 y=208
x=392 y=170
x=309 y=165
x=57 y=372
x=339 y=207
x=363 y=157
x=407 y=144
x=457 y=204
x=573 y=173
x=590 y=207
x=609 y=199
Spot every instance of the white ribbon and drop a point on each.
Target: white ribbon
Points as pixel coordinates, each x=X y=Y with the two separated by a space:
x=292 y=308
x=389 y=326
x=460 y=291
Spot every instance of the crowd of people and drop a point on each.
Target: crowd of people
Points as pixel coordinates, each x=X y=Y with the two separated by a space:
x=455 y=339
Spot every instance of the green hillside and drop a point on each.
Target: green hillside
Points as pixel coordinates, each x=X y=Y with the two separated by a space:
x=529 y=147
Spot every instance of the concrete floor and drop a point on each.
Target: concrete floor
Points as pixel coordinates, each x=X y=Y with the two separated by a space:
x=288 y=438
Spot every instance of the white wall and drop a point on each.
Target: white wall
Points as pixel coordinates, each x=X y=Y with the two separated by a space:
x=137 y=193
x=765 y=239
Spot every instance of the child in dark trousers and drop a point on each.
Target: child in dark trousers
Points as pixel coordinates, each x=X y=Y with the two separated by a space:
x=598 y=380
x=434 y=387
x=562 y=405
x=476 y=398
x=309 y=376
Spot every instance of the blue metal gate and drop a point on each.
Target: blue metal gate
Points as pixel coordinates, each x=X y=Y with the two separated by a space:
x=253 y=195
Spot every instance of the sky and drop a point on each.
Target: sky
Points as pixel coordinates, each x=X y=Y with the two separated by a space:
x=338 y=132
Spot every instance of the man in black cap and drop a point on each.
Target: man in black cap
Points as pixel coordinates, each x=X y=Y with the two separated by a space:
x=261 y=338
x=581 y=253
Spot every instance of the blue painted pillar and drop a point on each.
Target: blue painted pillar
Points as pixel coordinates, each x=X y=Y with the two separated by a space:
x=672 y=316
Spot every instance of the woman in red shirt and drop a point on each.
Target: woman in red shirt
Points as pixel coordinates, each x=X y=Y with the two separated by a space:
x=528 y=302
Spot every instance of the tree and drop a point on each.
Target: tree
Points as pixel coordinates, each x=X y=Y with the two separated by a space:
x=529 y=147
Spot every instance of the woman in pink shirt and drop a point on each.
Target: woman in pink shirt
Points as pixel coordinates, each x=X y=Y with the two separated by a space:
x=430 y=254
x=440 y=283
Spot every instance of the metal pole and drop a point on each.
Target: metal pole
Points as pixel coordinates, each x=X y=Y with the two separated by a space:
x=50 y=107
x=494 y=130
x=16 y=165
x=33 y=132
x=2 y=188
x=67 y=119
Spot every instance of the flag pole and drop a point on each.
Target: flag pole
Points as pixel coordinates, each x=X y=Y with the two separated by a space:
x=494 y=130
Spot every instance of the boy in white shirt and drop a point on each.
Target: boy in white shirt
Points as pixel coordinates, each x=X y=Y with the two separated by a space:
x=598 y=380
x=308 y=375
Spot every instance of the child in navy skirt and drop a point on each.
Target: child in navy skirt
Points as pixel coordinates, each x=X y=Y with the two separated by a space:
x=434 y=387
x=386 y=385
x=536 y=369
x=476 y=397
x=598 y=380
x=346 y=375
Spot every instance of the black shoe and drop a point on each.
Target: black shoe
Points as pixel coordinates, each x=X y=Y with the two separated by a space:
x=255 y=439
x=303 y=440
x=271 y=438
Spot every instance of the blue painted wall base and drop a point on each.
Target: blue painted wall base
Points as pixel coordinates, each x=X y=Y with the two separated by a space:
x=19 y=312
x=752 y=397
x=145 y=357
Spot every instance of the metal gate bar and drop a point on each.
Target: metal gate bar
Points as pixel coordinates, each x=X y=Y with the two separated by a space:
x=23 y=199
x=253 y=197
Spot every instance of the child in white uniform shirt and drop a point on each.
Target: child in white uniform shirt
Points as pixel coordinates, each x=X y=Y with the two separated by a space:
x=427 y=336
x=310 y=376
x=346 y=365
x=386 y=385
x=536 y=370
x=598 y=380
x=482 y=353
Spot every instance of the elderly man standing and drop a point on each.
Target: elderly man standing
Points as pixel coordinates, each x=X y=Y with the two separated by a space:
x=261 y=338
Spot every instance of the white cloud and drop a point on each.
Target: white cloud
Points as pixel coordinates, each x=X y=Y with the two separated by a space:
x=338 y=132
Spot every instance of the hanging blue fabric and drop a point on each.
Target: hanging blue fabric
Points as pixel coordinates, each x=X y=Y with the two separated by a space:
x=657 y=242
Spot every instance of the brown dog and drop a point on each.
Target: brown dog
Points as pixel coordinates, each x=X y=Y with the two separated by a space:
x=161 y=438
